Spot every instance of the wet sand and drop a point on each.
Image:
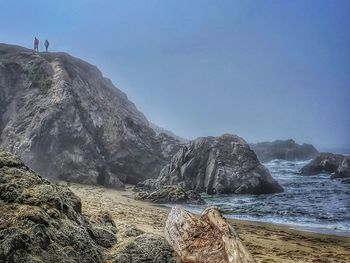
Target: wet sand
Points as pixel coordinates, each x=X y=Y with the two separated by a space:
x=267 y=242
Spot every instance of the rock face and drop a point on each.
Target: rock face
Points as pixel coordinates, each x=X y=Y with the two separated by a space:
x=206 y=239
x=169 y=145
x=336 y=164
x=66 y=121
x=285 y=150
x=42 y=222
x=216 y=165
x=171 y=194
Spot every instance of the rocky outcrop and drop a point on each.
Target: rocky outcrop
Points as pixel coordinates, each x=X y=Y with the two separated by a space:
x=42 y=222
x=283 y=149
x=216 y=165
x=172 y=194
x=206 y=239
x=336 y=164
x=66 y=121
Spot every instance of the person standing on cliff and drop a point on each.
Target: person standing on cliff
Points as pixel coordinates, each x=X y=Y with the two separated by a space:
x=36 y=44
x=46 y=44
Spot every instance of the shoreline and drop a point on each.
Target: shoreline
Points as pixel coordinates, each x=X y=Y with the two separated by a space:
x=267 y=242
x=291 y=227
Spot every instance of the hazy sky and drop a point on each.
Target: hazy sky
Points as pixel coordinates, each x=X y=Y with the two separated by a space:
x=261 y=69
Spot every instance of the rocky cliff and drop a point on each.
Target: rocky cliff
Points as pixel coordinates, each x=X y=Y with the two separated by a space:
x=66 y=121
x=283 y=149
x=216 y=165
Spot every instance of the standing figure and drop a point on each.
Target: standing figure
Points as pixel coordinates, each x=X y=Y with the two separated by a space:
x=36 y=44
x=46 y=44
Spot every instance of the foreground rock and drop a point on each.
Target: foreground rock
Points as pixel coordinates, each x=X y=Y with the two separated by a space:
x=285 y=150
x=206 y=239
x=171 y=194
x=216 y=165
x=336 y=164
x=66 y=121
x=42 y=222
x=144 y=248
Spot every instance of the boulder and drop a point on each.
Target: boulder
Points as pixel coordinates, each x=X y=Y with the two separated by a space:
x=335 y=164
x=216 y=165
x=171 y=194
x=283 y=149
x=42 y=222
x=145 y=248
x=206 y=239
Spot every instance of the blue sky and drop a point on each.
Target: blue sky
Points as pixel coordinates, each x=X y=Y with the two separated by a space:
x=264 y=70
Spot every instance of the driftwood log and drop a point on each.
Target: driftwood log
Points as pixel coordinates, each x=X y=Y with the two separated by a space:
x=207 y=239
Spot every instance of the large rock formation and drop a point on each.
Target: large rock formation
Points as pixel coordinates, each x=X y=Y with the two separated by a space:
x=216 y=165
x=284 y=150
x=42 y=222
x=206 y=239
x=336 y=164
x=66 y=121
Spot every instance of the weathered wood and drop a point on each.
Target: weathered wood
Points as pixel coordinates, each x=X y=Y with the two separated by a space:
x=206 y=239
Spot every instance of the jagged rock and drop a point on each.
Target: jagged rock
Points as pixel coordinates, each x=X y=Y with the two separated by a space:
x=283 y=149
x=335 y=164
x=343 y=170
x=171 y=194
x=145 y=248
x=216 y=165
x=42 y=222
x=169 y=145
x=206 y=239
x=66 y=121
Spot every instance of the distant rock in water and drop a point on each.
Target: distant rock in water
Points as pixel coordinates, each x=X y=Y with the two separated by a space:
x=283 y=149
x=171 y=194
x=66 y=121
x=216 y=165
x=42 y=222
x=336 y=164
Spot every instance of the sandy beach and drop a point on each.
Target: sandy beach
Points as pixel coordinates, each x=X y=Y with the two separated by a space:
x=267 y=242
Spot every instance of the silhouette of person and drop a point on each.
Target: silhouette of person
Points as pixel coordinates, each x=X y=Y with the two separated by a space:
x=46 y=44
x=36 y=44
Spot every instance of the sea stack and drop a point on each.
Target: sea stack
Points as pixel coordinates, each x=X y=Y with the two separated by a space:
x=216 y=165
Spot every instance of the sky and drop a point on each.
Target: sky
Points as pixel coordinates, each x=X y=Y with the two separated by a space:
x=264 y=70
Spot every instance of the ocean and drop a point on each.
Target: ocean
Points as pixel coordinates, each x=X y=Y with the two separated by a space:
x=312 y=203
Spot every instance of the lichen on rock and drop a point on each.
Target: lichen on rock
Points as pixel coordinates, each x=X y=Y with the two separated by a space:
x=42 y=222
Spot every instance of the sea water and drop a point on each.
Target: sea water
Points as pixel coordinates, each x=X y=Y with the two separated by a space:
x=313 y=203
